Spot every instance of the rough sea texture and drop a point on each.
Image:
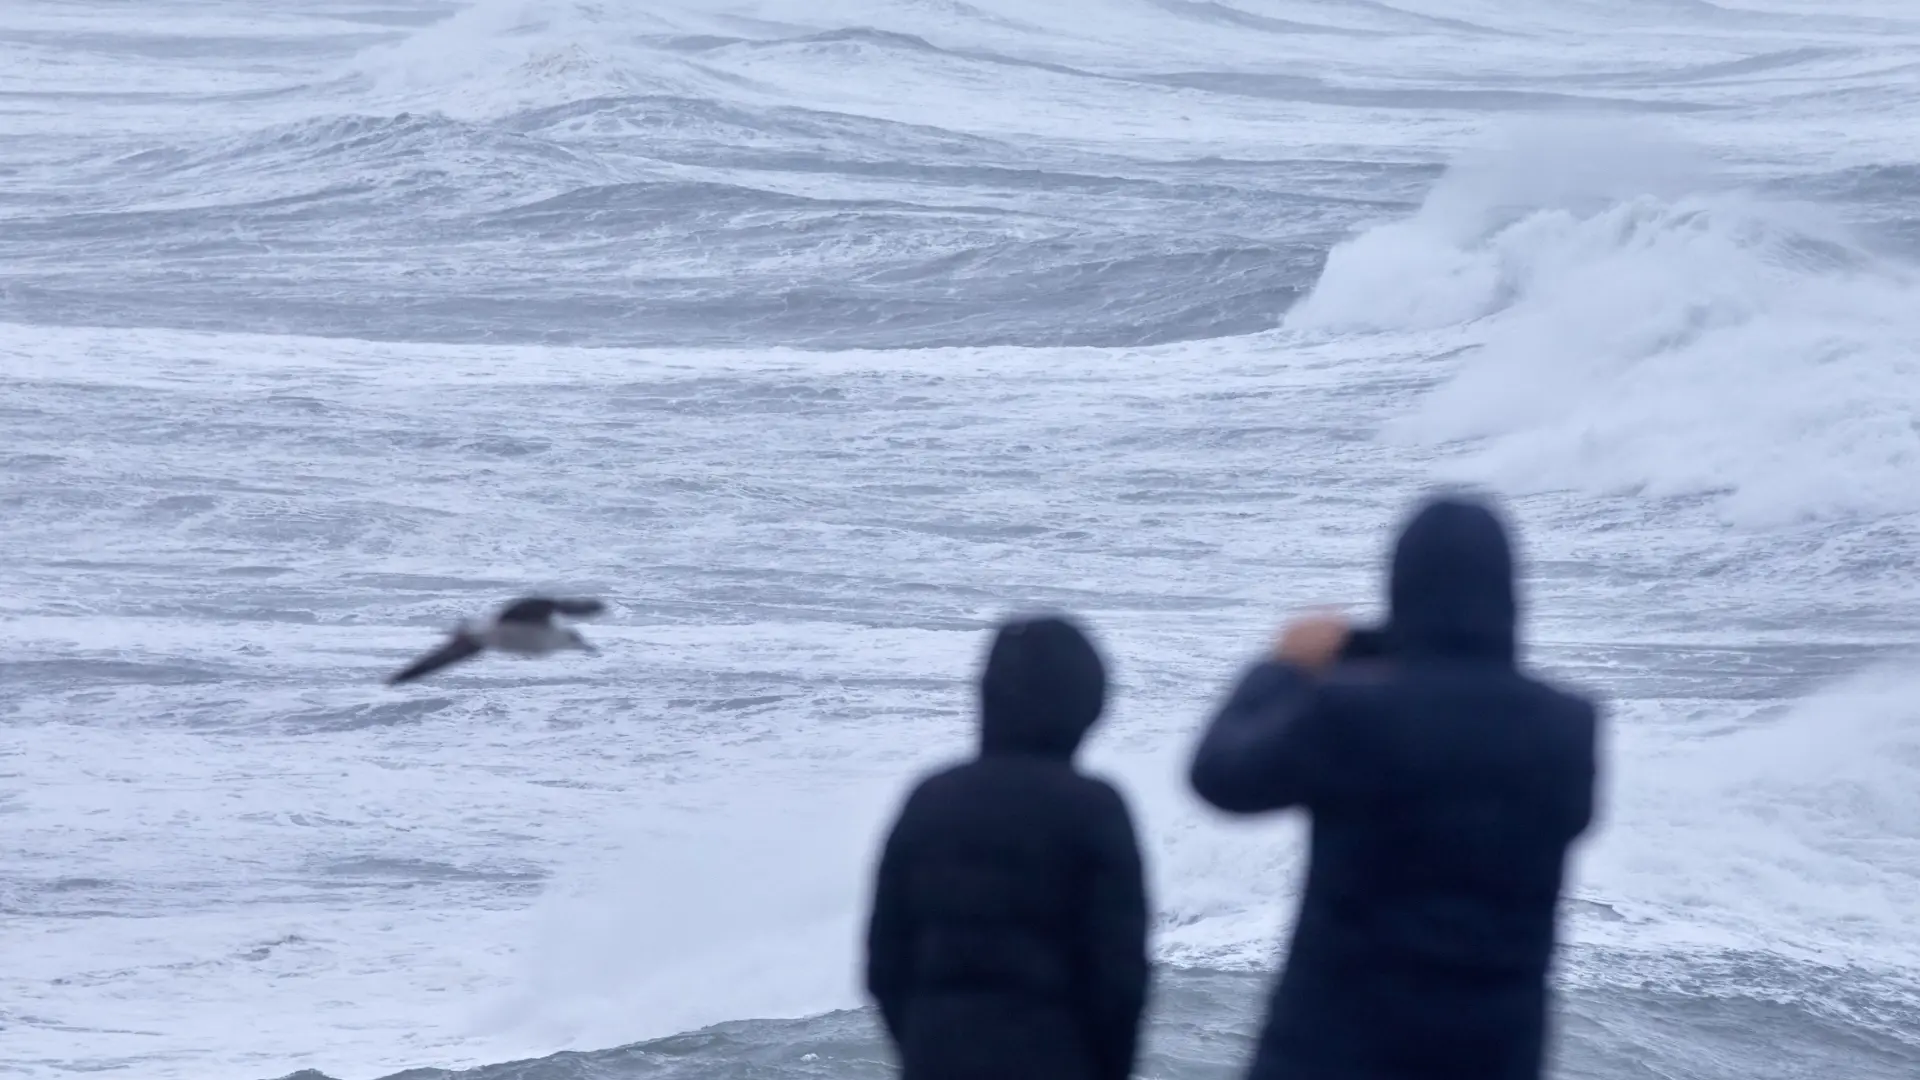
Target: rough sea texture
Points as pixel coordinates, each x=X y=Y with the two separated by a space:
x=818 y=334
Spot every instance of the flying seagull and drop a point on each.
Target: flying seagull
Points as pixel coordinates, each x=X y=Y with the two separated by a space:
x=523 y=627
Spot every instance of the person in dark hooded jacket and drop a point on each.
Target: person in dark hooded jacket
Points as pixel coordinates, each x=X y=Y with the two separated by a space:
x=1008 y=932
x=1444 y=788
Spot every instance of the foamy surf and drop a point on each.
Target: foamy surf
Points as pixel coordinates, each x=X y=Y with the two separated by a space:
x=1637 y=326
x=321 y=327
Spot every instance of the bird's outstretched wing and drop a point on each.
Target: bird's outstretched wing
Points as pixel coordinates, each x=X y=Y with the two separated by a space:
x=540 y=609
x=457 y=648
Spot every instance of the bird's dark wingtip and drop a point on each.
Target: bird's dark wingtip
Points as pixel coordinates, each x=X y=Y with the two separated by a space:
x=454 y=650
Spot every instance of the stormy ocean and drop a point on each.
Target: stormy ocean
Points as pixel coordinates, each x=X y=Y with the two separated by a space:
x=818 y=334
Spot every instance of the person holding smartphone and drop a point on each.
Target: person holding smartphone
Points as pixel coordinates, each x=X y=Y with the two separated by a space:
x=1444 y=786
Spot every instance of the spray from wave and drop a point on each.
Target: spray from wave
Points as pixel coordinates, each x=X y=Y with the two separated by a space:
x=496 y=57
x=749 y=907
x=1641 y=326
x=1812 y=806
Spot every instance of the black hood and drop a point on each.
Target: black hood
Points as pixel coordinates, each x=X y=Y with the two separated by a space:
x=1044 y=686
x=1452 y=592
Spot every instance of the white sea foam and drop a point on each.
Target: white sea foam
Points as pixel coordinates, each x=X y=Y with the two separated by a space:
x=1806 y=810
x=216 y=544
x=1635 y=330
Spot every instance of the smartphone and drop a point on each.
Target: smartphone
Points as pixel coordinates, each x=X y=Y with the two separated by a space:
x=1365 y=643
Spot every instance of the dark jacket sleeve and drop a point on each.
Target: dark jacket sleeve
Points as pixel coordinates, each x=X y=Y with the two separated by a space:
x=1272 y=745
x=889 y=934
x=1115 y=940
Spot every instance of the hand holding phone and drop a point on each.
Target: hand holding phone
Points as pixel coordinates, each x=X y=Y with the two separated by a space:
x=1313 y=642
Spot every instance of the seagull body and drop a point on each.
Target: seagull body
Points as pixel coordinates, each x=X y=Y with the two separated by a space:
x=524 y=627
